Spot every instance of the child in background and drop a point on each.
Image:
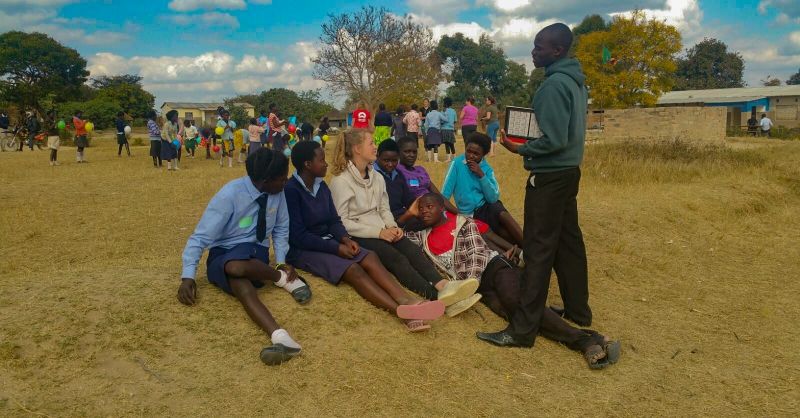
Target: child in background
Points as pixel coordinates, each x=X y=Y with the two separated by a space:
x=471 y=180
x=418 y=179
x=321 y=245
x=80 y=135
x=205 y=141
x=189 y=137
x=256 y=131
x=122 y=139
x=228 y=127
x=155 y=138
x=383 y=125
x=449 y=129
x=238 y=143
x=398 y=127
x=434 y=120
x=53 y=137
x=169 y=132
x=34 y=126
x=412 y=120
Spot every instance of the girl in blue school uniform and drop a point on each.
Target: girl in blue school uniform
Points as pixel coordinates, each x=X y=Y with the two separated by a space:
x=320 y=244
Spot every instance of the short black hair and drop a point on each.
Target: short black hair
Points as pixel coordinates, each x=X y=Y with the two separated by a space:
x=266 y=164
x=388 y=146
x=407 y=140
x=151 y=114
x=253 y=121
x=225 y=112
x=381 y=106
x=482 y=140
x=187 y=122
x=560 y=35
x=171 y=113
x=120 y=114
x=414 y=106
x=302 y=152
x=434 y=105
x=435 y=196
x=271 y=106
x=448 y=102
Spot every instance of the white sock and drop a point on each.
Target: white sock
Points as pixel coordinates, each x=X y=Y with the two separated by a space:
x=280 y=336
x=436 y=157
x=289 y=286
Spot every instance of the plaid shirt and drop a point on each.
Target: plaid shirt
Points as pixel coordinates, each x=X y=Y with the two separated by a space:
x=471 y=255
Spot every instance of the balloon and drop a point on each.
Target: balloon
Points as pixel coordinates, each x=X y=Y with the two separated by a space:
x=216 y=148
x=176 y=143
x=127 y=130
x=89 y=126
x=220 y=130
x=317 y=139
x=61 y=124
x=325 y=138
x=292 y=129
x=287 y=152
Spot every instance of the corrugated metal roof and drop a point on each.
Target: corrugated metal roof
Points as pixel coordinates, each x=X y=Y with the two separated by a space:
x=199 y=105
x=728 y=95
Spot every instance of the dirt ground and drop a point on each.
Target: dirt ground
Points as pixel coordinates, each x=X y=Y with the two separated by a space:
x=693 y=257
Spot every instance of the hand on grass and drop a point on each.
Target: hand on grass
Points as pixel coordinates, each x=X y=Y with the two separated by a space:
x=187 y=292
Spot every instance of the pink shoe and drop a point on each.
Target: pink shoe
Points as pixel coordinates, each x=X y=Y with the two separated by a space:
x=426 y=311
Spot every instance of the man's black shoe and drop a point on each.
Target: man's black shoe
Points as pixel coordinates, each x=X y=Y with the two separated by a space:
x=501 y=338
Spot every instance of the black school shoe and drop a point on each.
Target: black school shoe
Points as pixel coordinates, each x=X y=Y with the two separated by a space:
x=278 y=353
x=303 y=294
x=501 y=339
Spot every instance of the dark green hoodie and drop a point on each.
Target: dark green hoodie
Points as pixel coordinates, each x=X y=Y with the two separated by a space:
x=560 y=106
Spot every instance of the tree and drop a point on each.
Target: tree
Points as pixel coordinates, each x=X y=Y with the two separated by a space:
x=360 y=53
x=307 y=105
x=589 y=24
x=771 y=81
x=642 y=64
x=794 y=79
x=34 y=65
x=476 y=69
x=127 y=91
x=709 y=65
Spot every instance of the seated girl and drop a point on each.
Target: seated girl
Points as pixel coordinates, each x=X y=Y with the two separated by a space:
x=359 y=195
x=471 y=180
x=418 y=179
x=320 y=244
x=455 y=244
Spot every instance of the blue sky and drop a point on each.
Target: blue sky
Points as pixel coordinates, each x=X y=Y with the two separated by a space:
x=210 y=49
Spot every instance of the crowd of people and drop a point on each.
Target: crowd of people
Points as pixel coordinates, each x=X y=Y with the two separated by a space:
x=382 y=227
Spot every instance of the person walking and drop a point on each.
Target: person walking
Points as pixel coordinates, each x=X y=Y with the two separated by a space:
x=552 y=238
x=766 y=125
x=469 y=119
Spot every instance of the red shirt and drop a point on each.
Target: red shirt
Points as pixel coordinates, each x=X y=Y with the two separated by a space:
x=440 y=239
x=361 y=118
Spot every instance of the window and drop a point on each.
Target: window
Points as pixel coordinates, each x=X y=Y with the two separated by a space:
x=189 y=116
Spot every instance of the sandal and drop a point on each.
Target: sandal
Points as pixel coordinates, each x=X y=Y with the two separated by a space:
x=612 y=348
x=427 y=310
x=417 y=325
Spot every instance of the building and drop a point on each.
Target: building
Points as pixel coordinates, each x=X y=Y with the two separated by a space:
x=203 y=114
x=780 y=103
x=337 y=119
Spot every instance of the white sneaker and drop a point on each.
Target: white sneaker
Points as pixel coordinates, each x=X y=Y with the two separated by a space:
x=462 y=306
x=458 y=290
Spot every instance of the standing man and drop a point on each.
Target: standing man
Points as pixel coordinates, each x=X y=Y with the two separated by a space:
x=552 y=238
x=766 y=125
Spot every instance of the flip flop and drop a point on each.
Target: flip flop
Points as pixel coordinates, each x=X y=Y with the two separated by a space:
x=612 y=348
x=427 y=310
x=417 y=326
x=591 y=356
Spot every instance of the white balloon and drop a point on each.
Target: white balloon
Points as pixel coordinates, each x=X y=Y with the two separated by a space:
x=127 y=130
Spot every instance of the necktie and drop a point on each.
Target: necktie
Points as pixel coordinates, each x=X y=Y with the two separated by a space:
x=261 y=226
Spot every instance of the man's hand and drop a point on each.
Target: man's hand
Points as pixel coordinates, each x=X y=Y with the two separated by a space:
x=187 y=292
x=507 y=143
x=413 y=210
x=289 y=270
x=354 y=247
x=475 y=168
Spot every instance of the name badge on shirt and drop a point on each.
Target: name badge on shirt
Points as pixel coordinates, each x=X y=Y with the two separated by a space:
x=413 y=183
x=245 y=222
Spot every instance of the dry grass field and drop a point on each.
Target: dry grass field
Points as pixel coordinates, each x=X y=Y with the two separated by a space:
x=694 y=257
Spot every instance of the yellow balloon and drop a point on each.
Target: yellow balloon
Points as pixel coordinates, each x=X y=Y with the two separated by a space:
x=89 y=126
x=220 y=130
x=325 y=138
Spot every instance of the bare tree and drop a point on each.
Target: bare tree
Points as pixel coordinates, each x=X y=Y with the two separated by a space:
x=373 y=55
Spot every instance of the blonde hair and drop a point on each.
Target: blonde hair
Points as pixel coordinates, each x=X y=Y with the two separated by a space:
x=343 y=151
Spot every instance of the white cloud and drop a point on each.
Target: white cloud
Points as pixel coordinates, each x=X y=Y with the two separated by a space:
x=471 y=30
x=441 y=11
x=217 y=19
x=788 y=10
x=34 y=3
x=190 y=5
x=255 y=65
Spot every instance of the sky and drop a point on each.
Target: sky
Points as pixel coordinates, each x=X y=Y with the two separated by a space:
x=207 y=50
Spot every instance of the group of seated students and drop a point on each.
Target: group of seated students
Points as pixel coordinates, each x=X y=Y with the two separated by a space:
x=382 y=227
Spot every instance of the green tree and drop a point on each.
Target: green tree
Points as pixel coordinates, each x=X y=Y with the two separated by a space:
x=34 y=65
x=360 y=52
x=476 y=69
x=513 y=89
x=589 y=24
x=238 y=114
x=643 y=63
x=709 y=65
x=101 y=111
x=794 y=79
x=306 y=105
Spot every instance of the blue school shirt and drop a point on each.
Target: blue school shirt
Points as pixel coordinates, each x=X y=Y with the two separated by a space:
x=230 y=219
x=470 y=192
x=450 y=119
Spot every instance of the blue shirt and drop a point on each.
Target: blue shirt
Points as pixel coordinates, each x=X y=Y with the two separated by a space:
x=231 y=218
x=435 y=119
x=229 y=127
x=450 y=119
x=470 y=191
